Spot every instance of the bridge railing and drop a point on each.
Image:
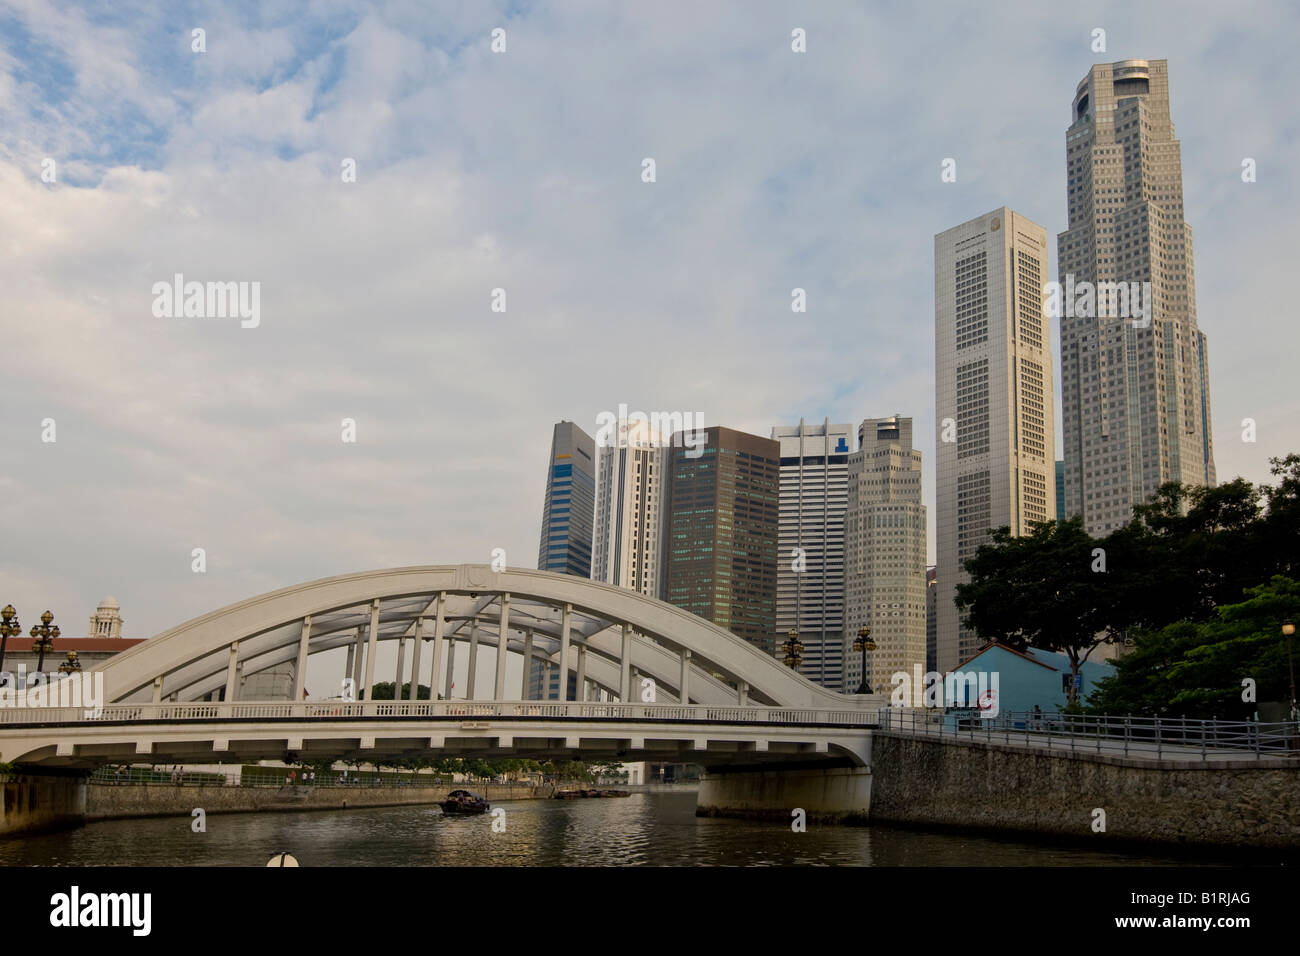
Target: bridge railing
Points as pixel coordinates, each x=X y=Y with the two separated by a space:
x=468 y=709
x=1173 y=738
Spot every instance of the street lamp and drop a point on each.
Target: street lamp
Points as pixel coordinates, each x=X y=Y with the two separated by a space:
x=71 y=665
x=43 y=638
x=793 y=649
x=9 y=627
x=1288 y=631
x=864 y=643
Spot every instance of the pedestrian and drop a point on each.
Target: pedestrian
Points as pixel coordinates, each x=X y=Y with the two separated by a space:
x=1038 y=717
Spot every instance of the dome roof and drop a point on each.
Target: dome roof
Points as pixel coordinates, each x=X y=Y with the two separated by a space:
x=109 y=602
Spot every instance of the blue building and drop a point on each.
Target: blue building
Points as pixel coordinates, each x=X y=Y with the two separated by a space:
x=1022 y=680
x=568 y=513
x=570 y=504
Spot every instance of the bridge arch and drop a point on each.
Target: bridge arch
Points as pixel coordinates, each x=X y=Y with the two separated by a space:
x=608 y=636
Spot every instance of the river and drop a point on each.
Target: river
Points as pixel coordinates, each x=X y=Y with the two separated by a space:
x=644 y=829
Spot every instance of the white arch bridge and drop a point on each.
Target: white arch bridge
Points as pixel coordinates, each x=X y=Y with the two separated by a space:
x=686 y=690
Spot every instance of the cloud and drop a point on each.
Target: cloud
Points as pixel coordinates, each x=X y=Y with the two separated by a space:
x=521 y=171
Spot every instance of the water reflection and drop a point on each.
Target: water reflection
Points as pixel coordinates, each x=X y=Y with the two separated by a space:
x=644 y=829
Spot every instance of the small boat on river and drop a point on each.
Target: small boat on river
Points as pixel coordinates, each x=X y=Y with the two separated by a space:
x=463 y=803
x=589 y=793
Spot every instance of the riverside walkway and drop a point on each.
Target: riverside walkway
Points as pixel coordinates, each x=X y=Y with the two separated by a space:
x=1181 y=740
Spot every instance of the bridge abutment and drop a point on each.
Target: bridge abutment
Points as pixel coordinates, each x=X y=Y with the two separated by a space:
x=44 y=801
x=837 y=794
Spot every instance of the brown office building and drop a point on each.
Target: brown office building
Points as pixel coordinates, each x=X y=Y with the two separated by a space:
x=721 y=522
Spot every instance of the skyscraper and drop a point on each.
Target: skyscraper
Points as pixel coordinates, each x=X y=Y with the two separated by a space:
x=1207 y=445
x=629 y=506
x=570 y=502
x=993 y=399
x=810 y=544
x=1061 y=514
x=567 y=513
x=720 y=522
x=931 y=621
x=1135 y=398
x=884 y=553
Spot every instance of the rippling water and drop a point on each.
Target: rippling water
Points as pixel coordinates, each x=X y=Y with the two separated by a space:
x=655 y=829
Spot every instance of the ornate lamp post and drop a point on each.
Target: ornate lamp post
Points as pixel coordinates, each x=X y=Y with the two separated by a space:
x=864 y=643
x=43 y=638
x=71 y=665
x=1288 y=631
x=9 y=627
x=793 y=649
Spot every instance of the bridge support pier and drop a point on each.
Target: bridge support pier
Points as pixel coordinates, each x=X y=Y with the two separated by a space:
x=473 y=661
x=834 y=795
x=41 y=801
x=580 y=682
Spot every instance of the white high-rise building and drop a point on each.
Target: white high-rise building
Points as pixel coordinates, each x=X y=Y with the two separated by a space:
x=628 y=546
x=993 y=399
x=884 y=554
x=1134 y=388
x=810 y=544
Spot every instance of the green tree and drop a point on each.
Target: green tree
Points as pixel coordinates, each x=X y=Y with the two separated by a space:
x=449 y=765
x=1196 y=668
x=606 y=768
x=1279 y=531
x=384 y=691
x=323 y=767
x=1174 y=578
x=1046 y=589
x=1187 y=551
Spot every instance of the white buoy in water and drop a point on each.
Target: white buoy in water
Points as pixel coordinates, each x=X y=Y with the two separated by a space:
x=282 y=859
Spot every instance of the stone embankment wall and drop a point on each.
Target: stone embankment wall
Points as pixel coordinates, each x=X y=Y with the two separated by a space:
x=106 y=801
x=994 y=787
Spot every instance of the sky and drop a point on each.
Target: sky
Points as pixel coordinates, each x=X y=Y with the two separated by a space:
x=522 y=170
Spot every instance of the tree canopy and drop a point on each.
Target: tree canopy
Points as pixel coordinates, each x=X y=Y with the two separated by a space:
x=1216 y=668
x=384 y=691
x=1163 y=580
x=1048 y=589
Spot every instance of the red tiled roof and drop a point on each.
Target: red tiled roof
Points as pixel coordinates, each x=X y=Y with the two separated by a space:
x=79 y=644
x=992 y=644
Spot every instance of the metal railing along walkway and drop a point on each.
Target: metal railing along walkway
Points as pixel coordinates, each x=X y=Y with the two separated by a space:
x=1160 y=738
